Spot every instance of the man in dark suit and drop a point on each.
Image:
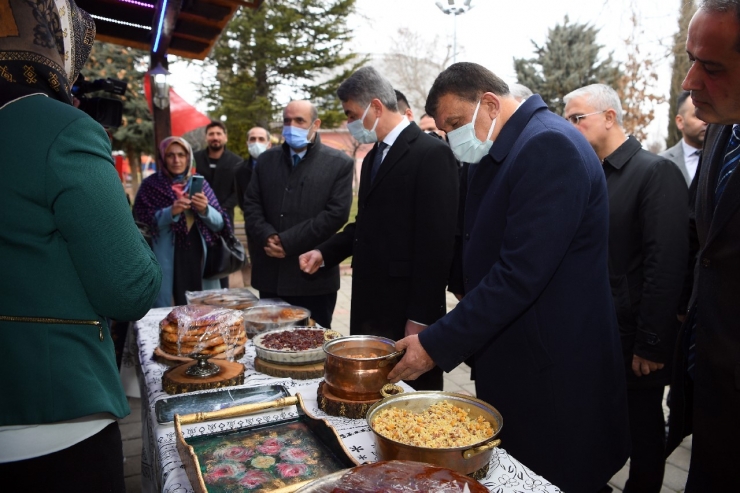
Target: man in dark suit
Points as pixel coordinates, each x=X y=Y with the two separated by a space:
x=648 y=248
x=687 y=151
x=299 y=196
x=402 y=238
x=537 y=316
x=708 y=356
x=219 y=166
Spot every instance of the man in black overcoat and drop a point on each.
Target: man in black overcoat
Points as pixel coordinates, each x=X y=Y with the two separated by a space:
x=648 y=248
x=402 y=238
x=708 y=354
x=300 y=194
x=537 y=319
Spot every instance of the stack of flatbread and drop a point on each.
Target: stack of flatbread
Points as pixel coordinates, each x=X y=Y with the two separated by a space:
x=202 y=329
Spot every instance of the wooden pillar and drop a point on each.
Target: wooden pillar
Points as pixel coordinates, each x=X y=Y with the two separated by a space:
x=161 y=116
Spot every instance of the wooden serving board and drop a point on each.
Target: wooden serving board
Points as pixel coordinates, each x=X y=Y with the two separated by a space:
x=336 y=406
x=172 y=360
x=299 y=372
x=174 y=380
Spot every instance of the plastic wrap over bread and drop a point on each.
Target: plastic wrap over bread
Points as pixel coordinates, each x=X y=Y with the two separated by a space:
x=202 y=329
x=234 y=298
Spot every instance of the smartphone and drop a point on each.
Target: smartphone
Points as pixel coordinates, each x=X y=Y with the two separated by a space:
x=195 y=185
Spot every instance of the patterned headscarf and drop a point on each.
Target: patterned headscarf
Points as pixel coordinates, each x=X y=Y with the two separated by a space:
x=43 y=46
x=161 y=189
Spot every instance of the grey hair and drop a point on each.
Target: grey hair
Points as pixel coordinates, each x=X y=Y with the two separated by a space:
x=724 y=6
x=520 y=92
x=600 y=96
x=365 y=85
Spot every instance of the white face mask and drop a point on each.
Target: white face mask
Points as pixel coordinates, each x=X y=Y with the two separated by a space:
x=466 y=147
x=256 y=148
x=360 y=133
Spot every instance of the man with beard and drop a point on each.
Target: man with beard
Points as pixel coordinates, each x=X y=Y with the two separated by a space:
x=220 y=166
x=686 y=153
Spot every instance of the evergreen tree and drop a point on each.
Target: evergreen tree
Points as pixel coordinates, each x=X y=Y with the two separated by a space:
x=680 y=67
x=293 y=43
x=568 y=60
x=136 y=133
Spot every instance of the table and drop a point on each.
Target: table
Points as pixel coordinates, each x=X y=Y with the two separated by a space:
x=161 y=469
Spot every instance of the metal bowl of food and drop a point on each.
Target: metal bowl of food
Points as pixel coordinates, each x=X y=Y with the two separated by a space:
x=293 y=346
x=470 y=458
x=260 y=319
x=357 y=367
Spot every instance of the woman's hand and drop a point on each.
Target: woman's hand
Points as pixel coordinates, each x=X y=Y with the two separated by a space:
x=180 y=205
x=199 y=202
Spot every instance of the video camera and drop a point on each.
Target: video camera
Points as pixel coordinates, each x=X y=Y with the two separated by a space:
x=106 y=111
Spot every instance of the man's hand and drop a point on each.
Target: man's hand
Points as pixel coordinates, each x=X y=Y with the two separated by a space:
x=414 y=363
x=412 y=328
x=310 y=262
x=199 y=202
x=642 y=366
x=274 y=248
x=180 y=205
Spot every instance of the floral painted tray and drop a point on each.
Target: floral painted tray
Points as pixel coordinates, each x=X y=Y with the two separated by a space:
x=269 y=457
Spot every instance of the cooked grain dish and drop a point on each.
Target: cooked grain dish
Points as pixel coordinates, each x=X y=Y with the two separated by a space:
x=442 y=425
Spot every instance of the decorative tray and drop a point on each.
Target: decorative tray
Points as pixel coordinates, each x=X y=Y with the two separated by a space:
x=165 y=409
x=282 y=455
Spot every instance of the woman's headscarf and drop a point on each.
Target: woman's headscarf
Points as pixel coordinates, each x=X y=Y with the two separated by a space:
x=43 y=46
x=161 y=189
x=178 y=181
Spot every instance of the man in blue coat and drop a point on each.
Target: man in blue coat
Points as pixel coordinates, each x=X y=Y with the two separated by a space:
x=537 y=318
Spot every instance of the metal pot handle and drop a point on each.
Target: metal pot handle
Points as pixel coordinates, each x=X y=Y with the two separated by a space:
x=472 y=452
x=390 y=389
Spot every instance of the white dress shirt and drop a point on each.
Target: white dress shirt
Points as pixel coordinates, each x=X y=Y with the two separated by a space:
x=690 y=158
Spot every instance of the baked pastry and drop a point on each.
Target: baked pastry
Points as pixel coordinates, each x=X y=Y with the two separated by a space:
x=201 y=329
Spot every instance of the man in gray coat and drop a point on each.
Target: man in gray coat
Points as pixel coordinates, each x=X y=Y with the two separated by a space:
x=686 y=153
x=300 y=195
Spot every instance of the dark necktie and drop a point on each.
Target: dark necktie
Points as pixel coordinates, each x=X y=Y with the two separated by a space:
x=377 y=160
x=296 y=159
x=732 y=156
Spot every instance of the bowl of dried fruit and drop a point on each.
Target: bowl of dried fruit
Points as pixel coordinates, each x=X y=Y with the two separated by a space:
x=293 y=346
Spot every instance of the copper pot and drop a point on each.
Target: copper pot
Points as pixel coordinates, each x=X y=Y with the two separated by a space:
x=470 y=459
x=357 y=367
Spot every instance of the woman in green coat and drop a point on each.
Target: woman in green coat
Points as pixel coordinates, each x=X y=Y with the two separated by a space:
x=70 y=257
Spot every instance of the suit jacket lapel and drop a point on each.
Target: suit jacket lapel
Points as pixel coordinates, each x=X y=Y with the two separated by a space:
x=716 y=218
x=399 y=148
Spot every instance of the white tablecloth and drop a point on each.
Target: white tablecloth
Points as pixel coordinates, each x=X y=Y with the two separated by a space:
x=161 y=469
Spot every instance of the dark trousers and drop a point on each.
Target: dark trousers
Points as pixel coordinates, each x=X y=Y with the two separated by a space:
x=431 y=380
x=320 y=305
x=94 y=465
x=647 y=428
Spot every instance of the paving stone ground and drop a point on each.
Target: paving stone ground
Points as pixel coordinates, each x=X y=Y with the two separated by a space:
x=457 y=380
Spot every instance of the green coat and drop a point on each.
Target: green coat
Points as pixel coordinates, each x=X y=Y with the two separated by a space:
x=69 y=249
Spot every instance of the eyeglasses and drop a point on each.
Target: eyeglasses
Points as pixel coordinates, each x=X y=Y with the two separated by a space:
x=171 y=155
x=576 y=119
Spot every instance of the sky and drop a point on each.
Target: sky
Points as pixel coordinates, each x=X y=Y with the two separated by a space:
x=494 y=32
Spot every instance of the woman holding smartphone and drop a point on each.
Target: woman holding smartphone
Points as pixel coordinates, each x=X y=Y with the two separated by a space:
x=184 y=217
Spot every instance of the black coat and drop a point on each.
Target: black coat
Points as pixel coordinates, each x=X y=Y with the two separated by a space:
x=402 y=238
x=715 y=305
x=537 y=316
x=648 y=248
x=222 y=178
x=304 y=205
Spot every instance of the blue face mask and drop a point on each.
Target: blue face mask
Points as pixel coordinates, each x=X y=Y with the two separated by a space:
x=465 y=145
x=360 y=133
x=296 y=137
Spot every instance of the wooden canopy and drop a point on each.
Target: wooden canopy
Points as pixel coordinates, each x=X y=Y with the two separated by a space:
x=187 y=28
